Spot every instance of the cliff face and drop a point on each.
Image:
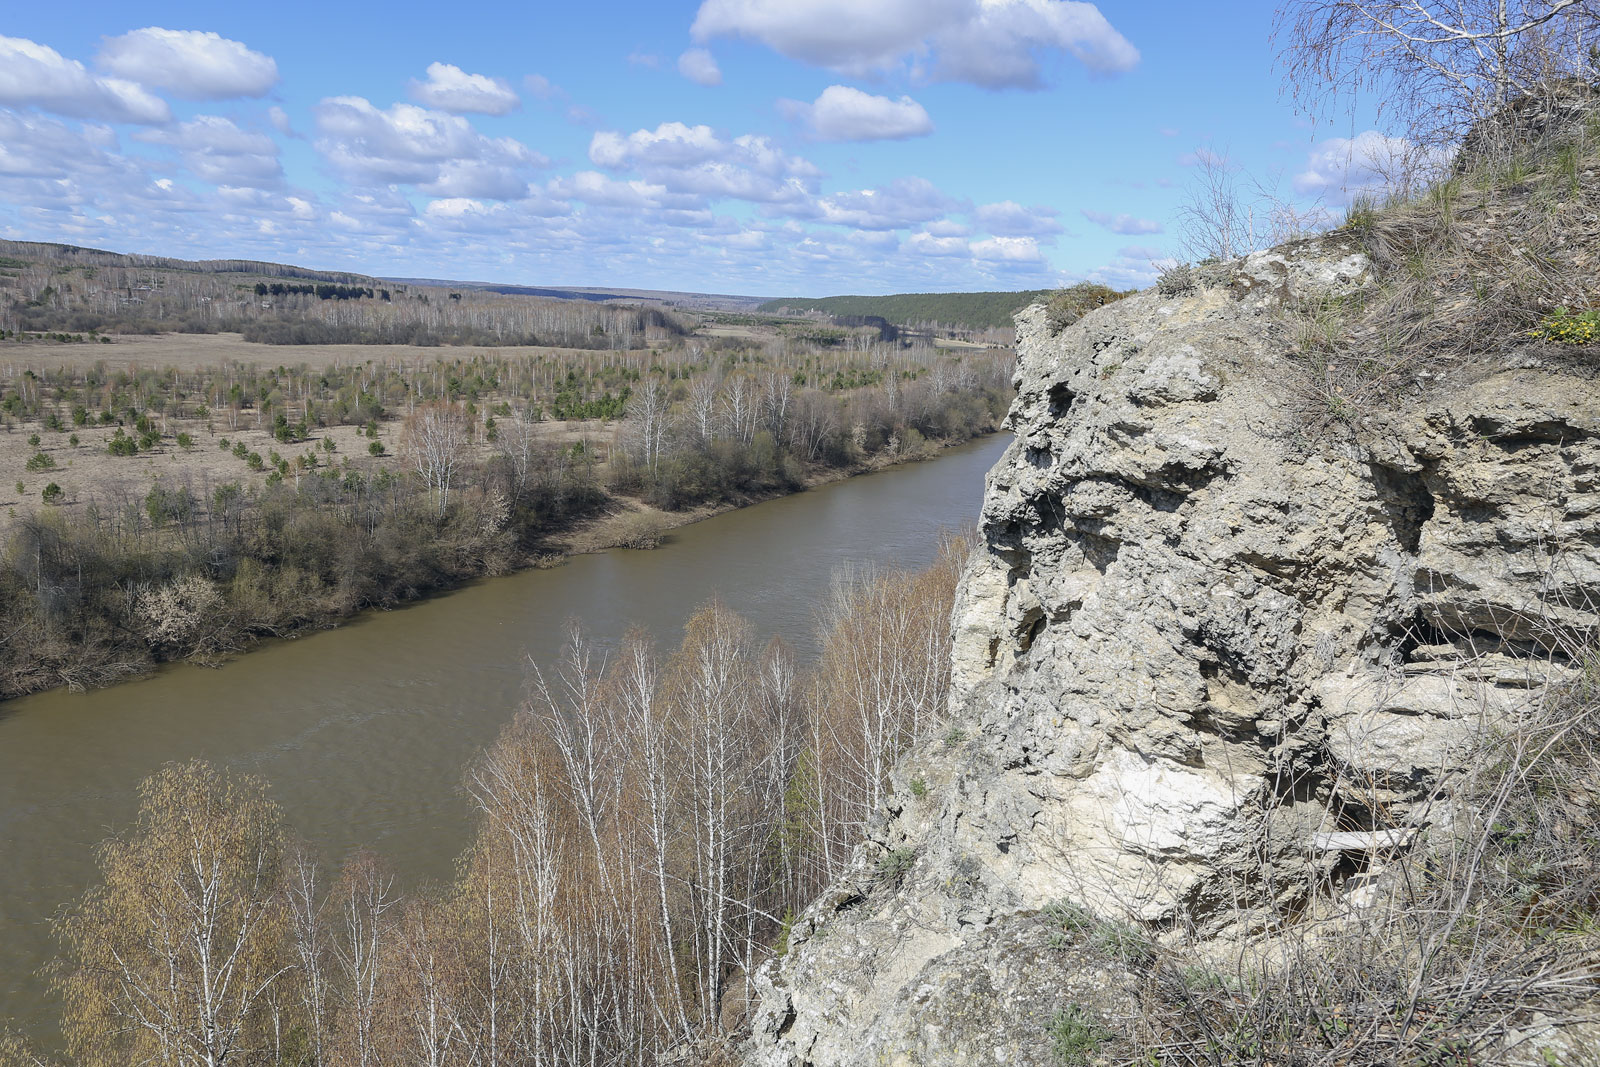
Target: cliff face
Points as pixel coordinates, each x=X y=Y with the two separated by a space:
x=1200 y=637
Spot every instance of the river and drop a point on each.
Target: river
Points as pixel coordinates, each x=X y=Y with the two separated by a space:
x=364 y=731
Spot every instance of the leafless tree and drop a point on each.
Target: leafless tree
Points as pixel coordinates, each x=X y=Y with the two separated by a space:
x=650 y=420
x=438 y=438
x=1434 y=65
x=704 y=401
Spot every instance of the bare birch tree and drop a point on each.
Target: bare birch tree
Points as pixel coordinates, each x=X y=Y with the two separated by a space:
x=438 y=438
x=1436 y=66
x=173 y=957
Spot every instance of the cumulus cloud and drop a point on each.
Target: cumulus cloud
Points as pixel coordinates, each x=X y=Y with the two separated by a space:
x=1010 y=219
x=441 y=154
x=902 y=203
x=1343 y=168
x=592 y=187
x=700 y=67
x=1008 y=250
x=449 y=88
x=33 y=75
x=34 y=146
x=845 y=114
x=997 y=44
x=217 y=151
x=927 y=244
x=193 y=64
x=695 y=160
x=1129 y=225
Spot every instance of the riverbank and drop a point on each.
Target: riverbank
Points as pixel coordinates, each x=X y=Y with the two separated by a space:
x=295 y=569
x=635 y=524
x=364 y=730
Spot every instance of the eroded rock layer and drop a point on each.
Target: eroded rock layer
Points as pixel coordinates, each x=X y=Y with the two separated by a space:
x=1199 y=639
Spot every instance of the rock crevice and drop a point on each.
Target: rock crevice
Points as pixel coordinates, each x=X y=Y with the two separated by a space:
x=1192 y=646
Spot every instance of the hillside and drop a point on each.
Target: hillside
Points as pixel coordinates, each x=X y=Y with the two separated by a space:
x=976 y=311
x=76 y=295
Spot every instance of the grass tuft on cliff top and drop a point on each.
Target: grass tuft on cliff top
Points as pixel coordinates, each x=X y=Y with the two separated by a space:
x=1494 y=262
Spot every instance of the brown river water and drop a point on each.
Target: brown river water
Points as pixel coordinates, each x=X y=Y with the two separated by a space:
x=365 y=732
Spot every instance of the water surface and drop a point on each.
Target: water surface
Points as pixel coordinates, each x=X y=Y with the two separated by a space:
x=364 y=732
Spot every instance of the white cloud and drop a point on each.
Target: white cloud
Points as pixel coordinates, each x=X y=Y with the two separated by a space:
x=845 y=114
x=449 y=88
x=543 y=88
x=441 y=154
x=1007 y=250
x=33 y=75
x=902 y=203
x=926 y=244
x=992 y=43
x=592 y=187
x=280 y=121
x=695 y=160
x=1343 y=168
x=1128 y=225
x=193 y=64
x=999 y=49
x=1010 y=219
x=33 y=146
x=217 y=151
x=700 y=67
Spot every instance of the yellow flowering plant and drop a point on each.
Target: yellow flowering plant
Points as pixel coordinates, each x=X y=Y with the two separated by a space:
x=1569 y=328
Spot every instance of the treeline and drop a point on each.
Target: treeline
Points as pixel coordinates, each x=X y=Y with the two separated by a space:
x=55 y=289
x=180 y=568
x=648 y=825
x=979 y=311
x=54 y=254
x=196 y=571
x=324 y=291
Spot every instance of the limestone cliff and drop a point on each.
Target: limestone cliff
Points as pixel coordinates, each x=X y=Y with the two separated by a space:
x=1200 y=637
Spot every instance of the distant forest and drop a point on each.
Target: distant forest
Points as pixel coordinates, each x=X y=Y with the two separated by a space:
x=80 y=294
x=975 y=311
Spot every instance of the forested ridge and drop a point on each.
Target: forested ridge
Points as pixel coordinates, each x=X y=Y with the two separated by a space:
x=976 y=311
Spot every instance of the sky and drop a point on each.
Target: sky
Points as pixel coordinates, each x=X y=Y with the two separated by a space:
x=757 y=147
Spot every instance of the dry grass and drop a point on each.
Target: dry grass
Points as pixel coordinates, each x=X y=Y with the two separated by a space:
x=1464 y=271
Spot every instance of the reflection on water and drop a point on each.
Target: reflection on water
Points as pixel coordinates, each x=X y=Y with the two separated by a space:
x=364 y=731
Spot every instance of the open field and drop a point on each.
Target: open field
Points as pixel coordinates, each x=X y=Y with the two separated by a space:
x=192 y=351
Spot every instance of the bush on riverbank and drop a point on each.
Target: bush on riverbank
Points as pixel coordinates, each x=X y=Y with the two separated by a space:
x=97 y=593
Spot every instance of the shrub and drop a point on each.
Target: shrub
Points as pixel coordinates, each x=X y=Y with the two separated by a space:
x=1067 y=306
x=1176 y=280
x=40 y=461
x=1075 y=1036
x=376 y=448
x=185 y=441
x=894 y=865
x=52 y=493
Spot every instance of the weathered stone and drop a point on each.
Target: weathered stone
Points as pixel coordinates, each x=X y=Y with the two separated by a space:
x=1191 y=646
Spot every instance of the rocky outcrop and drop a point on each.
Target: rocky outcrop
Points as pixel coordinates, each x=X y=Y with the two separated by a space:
x=1199 y=640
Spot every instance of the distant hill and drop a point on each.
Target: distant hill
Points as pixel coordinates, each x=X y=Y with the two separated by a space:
x=20 y=253
x=977 y=311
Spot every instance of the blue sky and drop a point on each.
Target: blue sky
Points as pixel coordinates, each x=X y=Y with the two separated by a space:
x=769 y=147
